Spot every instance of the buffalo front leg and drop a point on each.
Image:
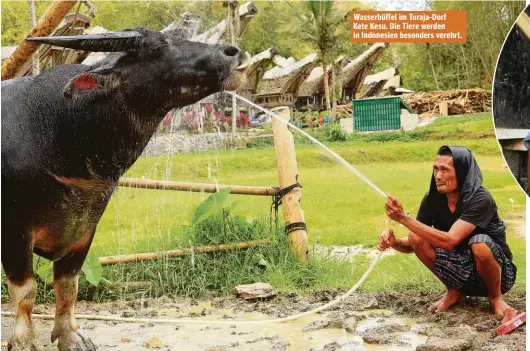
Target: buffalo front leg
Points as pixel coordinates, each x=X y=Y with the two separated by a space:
x=65 y=282
x=17 y=259
x=23 y=296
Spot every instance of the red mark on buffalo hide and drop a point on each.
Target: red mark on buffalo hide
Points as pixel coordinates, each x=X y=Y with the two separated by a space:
x=85 y=82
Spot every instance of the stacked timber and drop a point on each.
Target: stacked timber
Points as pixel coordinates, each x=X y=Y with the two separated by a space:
x=449 y=102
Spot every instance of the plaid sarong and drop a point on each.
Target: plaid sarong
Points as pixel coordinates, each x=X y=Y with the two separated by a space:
x=457 y=268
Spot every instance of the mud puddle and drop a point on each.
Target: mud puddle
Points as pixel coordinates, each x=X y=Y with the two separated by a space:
x=362 y=322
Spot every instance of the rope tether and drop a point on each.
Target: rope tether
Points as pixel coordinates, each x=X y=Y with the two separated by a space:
x=279 y=193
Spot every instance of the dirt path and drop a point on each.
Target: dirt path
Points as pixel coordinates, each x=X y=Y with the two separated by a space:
x=363 y=322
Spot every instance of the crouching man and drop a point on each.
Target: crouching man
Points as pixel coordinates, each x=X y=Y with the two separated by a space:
x=458 y=234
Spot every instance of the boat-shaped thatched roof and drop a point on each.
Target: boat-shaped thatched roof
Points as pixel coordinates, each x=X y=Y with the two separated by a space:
x=315 y=81
x=279 y=79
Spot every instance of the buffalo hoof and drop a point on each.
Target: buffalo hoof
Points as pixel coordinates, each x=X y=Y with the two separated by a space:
x=75 y=341
x=15 y=344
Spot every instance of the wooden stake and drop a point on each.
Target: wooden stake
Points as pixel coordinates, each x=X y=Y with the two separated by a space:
x=46 y=25
x=195 y=187
x=444 y=108
x=288 y=172
x=147 y=256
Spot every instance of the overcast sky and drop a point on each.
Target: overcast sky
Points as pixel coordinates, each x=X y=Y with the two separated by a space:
x=399 y=4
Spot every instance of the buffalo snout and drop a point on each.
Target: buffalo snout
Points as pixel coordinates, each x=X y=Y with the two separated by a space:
x=231 y=51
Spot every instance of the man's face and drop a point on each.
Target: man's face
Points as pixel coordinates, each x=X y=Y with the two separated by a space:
x=445 y=174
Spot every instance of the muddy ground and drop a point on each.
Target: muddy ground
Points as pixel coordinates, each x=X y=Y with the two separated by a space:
x=391 y=321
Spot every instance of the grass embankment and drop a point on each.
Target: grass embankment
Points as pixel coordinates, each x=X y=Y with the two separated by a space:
x=339 y=209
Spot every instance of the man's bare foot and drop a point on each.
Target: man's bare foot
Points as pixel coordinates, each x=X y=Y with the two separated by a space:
x=500 y=307
x=434 y=305
x=451 y=297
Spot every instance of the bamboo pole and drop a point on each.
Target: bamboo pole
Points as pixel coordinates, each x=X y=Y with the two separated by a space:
x=46 y=25
x=288 y=173
x=147 y=256
x=524 y=24
x=195 y=187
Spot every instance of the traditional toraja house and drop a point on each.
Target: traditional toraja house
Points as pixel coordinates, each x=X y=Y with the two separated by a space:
x=279 y=86
x=351 y=76
x=355 y=72
x=219 y=34
x=383 y=83
x=311 y=92
x=256 y=69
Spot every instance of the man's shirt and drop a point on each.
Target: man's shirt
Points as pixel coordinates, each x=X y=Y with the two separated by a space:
x=481 y=211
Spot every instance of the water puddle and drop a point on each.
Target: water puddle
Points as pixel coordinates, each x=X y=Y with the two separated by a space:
x=378 y=324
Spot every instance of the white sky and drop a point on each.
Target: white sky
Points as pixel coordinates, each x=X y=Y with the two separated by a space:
x=396 y=5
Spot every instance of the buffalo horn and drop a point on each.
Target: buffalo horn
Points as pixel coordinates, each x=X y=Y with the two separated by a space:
x=104 y=42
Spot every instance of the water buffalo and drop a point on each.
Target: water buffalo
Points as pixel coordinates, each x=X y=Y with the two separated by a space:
x=67 y=137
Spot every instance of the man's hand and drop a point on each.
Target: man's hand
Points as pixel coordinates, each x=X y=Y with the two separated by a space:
x=386 y=240
x=395 y=211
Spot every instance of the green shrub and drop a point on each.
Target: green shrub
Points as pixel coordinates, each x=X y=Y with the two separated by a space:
x=334 y=132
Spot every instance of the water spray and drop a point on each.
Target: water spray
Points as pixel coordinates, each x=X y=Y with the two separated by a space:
x=333 y=153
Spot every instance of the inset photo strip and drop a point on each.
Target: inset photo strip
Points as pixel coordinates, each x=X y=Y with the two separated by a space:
x=264 y=175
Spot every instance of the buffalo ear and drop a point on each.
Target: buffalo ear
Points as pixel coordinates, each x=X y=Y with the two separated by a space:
x=101 y=78
x=90 y=83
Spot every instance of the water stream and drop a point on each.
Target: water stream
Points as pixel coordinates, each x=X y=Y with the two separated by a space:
x=333 y=153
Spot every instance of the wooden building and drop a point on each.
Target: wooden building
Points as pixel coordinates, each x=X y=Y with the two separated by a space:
x=279 y=86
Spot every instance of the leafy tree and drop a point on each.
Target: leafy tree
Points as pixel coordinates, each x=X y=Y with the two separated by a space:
x=15 y=20
x=317 y=22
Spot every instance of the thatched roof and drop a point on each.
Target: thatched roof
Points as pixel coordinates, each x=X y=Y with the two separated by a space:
x=379 y=76
x=261 y=58
x=352 y=73
x=394 y=82
x=281 y=61
x=380 y=83
x=359 y=67
x=256 y=68
x=315 y=81
x=219 y=34
x=279 y=79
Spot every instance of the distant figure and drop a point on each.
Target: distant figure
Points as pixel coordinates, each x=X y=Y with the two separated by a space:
x=321 y=120
x=326 y=120
x=458 y=234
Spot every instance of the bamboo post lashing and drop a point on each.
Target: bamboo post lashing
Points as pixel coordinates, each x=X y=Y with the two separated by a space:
x=46 y=25
x=288 y=174
x=523 y=22
x=146 y=256
x=195 y=187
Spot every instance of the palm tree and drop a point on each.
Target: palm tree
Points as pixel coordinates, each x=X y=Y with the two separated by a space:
x=316 y=22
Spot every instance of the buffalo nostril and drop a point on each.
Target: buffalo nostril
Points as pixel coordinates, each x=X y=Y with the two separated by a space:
x=231 y=51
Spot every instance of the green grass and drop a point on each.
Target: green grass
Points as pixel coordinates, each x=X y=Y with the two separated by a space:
x=456 y=127
x=339 y=209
